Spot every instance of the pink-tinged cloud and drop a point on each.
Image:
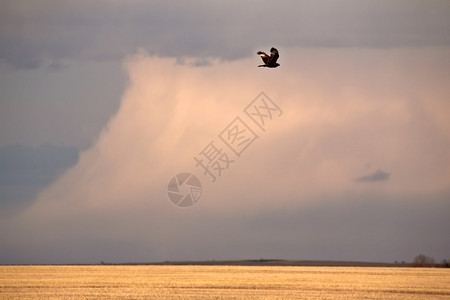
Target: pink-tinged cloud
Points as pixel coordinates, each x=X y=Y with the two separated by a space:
x=346 y=114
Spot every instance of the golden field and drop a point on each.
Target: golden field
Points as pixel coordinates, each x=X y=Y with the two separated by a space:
x=222 y=282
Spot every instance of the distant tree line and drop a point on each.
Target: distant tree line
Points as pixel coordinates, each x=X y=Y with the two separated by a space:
x=424 y=261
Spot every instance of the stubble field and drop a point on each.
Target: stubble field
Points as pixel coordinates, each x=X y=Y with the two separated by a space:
x=222 y=282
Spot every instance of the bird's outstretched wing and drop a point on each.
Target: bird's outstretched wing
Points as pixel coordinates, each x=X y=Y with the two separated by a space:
x=264 y=56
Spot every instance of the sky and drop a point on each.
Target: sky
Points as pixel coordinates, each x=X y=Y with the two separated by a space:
x=103 y=103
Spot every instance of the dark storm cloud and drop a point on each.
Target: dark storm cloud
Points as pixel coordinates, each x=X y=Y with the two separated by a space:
x=365 y=227
x=378 y=175
x=21 y=164
x=33 y=33
x=372 y=224
x=25 y=170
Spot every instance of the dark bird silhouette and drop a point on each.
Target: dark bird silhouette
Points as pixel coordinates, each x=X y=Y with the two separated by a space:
x=269 y=61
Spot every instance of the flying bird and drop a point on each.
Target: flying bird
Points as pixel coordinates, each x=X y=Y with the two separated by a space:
x=269 y=61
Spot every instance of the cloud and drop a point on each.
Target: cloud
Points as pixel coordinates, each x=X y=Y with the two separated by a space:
x=25 y=170
x=378 y=175
x=21 y=164
x=113 y=205
x=67 y=107
x=52 y=32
